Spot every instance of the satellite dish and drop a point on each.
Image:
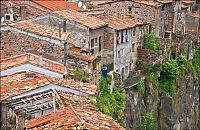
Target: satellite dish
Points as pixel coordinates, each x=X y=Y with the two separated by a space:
x=2 y=19
x=80 y=4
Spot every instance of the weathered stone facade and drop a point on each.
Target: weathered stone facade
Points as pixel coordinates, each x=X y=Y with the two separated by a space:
x=14 y=43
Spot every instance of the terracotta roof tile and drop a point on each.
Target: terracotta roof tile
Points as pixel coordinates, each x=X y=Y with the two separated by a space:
x=87 y=115
x=31 y=59
x=57 y=4
x=15 y=84
x=194 y=15
x=117 y=22
x=88 y=21
x=31 y=10
x=39 y=29
x=187 y=2
x=77 y=53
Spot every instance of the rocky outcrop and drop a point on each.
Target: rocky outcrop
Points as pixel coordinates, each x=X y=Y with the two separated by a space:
x=177 y=112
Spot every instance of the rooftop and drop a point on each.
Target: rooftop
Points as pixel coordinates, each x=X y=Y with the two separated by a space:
x=152 y=3
x=31 y=59
x=82 y=114
x=39 y=29
x=187 y=2
x=117 y=23
x=194 y=15
x=88 y=21
x=57 y=4
x=77 y=53
x=31 y=10
x=26 y=81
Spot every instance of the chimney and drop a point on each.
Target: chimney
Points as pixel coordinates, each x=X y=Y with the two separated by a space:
x=22 y=12
x=60 y=26
x=40 y=58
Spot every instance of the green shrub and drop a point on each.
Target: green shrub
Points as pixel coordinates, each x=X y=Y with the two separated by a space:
x=148 y=122
x=151 y=42
x=111 y=104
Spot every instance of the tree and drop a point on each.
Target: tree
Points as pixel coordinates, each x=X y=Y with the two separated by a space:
x=151 y=42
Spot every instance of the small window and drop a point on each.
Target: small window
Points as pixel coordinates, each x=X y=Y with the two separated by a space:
x=95 y=40
x=126 y=37
x=118 y=38
x=122 y=36
x=163 y=8
x=133 y=32
x=118 y=54
x=99 y=44
x=92 y=43
x=129 y=9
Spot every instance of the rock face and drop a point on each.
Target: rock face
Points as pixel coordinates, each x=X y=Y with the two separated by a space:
x=179 y=112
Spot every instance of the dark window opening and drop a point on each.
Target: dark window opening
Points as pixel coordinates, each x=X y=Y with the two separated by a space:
x=64 y=26
x=7 y=17
x=92 y=43
x=122 y=36
x=129 y=9
x=163 y=8
x=118 y=38
x=99 y=44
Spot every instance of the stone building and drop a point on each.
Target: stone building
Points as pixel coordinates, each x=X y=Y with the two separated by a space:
x=163 y=15
x=158 y=13
x=193 y=25
x=123 y=36
x=25 y=36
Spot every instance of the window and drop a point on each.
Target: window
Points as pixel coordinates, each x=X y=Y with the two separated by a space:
x=95 y=40
x=163 y=8
x=64 y=26
x=122 y=36
x=133 y=32
x=118 y=38
x=92 y=46
x=92 y=43
x=126 y=37
x=99 y=43
x=118 y=54
x=130 y=9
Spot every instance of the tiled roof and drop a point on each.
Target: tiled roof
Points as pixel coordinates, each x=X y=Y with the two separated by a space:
x=15 y=84
x=77 y=53
x=165 y=1
x=187 y=2
x=57 y=4
x=87 y=116
x=34 y=11
x=194 y=15
x=88 y=21
x=39 y=29
x=117 y=22
x=149 y=2
x=62 y=119
x=31 y=59
x=146 y=2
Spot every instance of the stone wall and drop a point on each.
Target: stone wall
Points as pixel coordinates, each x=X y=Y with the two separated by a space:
x=13 y=43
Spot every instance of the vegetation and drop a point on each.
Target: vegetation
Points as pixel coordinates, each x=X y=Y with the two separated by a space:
x=151 y=42
x=80 y=75
x=90 y=6
x=139 y=87
x=168 y=75
x=110 y=104
x=148 y=122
